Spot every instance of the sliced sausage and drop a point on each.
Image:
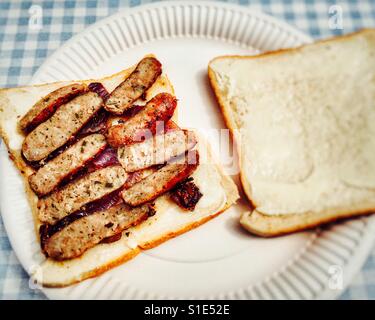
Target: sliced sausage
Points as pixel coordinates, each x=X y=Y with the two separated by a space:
x=58 y=129
x=161 y=181
x=48 y=177
x=157 y=150
x=84 y=233
x=78 y=193
x=47 y=106
x=145 y=123
x=134 y=86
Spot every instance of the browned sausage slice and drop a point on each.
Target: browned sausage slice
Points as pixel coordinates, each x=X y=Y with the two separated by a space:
x=48 y=177
x=157 y=150
x=58 y=129
x=161 y=181
x=47 y=106
x=156 y=113
x=142 y=78
x=78 y=193
x=86 y=232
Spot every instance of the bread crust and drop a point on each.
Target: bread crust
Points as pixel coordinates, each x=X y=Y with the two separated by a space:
x=95 y=272
x=269 y=226
x=263 y=224
x=368 y=31
x=134 y=252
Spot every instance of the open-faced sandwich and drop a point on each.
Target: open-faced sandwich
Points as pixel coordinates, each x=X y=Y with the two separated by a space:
x=108 y=171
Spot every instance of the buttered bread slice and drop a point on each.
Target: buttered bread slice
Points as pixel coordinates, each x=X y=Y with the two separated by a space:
x=304 y=123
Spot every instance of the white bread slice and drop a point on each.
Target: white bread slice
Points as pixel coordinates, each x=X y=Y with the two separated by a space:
x=169 y=221
x=303 y=119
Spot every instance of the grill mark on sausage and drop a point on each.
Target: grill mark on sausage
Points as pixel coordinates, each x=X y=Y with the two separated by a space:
x=156 y=113
x=61 y=127
x=161 y=181
x=66 y=164
x=81 y=192
x=46 y=107
x=85 y=232
x=134 y=86
x=157 y=150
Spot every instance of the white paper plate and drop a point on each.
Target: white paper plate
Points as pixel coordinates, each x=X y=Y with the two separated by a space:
x=219 y=259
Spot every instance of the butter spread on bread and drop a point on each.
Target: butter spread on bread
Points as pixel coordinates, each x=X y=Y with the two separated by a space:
x=304 y=120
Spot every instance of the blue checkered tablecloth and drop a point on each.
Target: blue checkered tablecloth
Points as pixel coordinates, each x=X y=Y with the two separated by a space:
x=22 y=51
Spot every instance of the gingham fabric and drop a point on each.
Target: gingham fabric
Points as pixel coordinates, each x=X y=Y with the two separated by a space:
x=23 y=50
